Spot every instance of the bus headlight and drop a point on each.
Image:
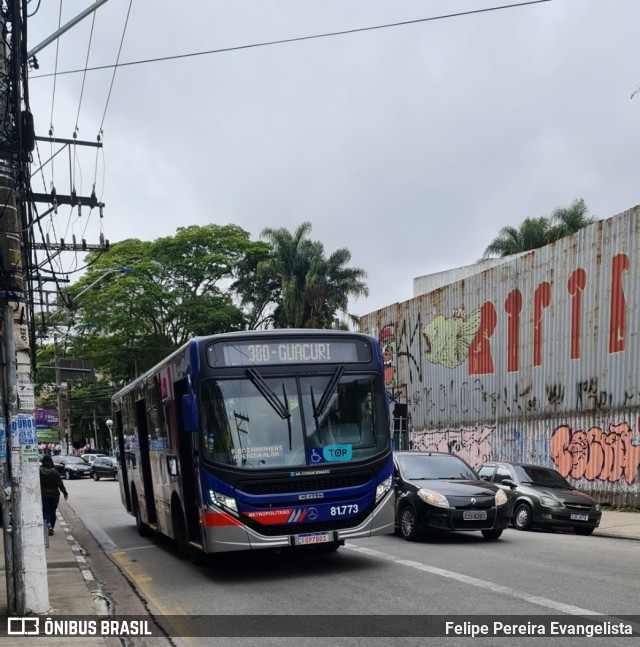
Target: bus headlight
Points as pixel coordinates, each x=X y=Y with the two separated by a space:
x=383 y=488
x=224 y=501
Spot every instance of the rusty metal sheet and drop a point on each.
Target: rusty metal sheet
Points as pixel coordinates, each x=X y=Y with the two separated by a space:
x=496 y=363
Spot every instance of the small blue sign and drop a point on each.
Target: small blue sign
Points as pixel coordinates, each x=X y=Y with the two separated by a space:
x=337 y=452
x=314 y=456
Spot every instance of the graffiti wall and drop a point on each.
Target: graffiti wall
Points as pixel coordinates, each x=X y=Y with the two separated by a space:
x=536 y=359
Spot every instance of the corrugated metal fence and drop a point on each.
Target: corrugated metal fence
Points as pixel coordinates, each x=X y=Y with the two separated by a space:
x=537 y=360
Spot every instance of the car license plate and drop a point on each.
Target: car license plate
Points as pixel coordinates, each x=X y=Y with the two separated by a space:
x=579 y=517
x=474 y=515
x=313 y=538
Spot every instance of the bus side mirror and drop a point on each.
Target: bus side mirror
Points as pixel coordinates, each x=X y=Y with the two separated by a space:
x=189 y=413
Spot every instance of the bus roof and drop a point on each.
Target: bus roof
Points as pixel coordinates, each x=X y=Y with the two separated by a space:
x=199 y=340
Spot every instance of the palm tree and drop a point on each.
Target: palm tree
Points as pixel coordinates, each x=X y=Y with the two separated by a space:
x=329 y=284
x=568 y=220
x=289 y=263
x=312 y=287
x=531 y=234
x=538 y=232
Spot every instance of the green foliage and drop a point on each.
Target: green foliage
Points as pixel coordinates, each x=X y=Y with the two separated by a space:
x=534 y=233
x=311 y=287
x=202 y=281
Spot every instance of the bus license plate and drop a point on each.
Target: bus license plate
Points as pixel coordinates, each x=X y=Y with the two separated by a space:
x=474 y=515
x=579 y=517
x=313 y=538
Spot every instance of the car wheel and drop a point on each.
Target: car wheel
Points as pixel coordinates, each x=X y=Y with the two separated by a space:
x=96 y=476
x=583 y=531
x=409 y=524
x=491 y=534
x=67 y=475
x=522 y=518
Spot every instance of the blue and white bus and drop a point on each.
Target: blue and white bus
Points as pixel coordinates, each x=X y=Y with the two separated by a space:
x=260 y=439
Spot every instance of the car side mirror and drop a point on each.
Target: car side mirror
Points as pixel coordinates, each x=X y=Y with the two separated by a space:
x=509 y=483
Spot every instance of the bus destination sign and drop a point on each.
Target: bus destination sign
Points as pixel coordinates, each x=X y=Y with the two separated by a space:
x=308 y=351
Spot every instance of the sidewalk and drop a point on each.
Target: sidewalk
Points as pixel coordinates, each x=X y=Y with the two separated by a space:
x=73 y=591
x=623 y=525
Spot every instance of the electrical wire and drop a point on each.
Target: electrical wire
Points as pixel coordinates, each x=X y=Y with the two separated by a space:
x=35 y=11
x=53 y=95
x=84 y=76
x=115 y=68
x=297 y=39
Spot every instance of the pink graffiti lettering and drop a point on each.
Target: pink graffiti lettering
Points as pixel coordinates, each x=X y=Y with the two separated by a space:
x=596 y=454
x=470 y=444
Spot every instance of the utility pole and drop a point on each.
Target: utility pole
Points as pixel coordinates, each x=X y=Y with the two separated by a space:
x=27 y=586
x=62 y=413
x=95 y=432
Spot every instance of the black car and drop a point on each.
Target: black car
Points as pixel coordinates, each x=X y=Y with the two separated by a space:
x=440 y=492
x=540 y=496
x=104 y=467
x=71 y=467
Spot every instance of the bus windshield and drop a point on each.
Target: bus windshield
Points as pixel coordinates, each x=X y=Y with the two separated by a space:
x=258 y=421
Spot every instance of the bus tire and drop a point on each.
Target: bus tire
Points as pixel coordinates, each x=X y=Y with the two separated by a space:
x=179 y=523
x=329 y=547
x=143 y=528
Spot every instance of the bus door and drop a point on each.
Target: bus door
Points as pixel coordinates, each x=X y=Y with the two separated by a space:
x=188 y=466
x=145 y=460
x=122 y=463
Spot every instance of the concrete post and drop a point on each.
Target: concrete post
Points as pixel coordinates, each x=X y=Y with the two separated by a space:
x=18 y=403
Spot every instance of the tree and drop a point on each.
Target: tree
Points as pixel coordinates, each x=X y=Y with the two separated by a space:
x=178 y=289
x=288 y=264
x=531 y=234
x=310 y=287
x=328 y=286
x=568 y=220
x=534 y=233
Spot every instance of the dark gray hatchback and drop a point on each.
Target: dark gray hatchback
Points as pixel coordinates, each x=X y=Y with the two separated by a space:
x=540 y=496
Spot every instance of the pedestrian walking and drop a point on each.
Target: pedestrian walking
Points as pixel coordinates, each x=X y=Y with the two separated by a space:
x=50 y=485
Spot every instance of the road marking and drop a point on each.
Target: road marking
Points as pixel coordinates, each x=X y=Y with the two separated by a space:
x=144 y=583
x=481 y=584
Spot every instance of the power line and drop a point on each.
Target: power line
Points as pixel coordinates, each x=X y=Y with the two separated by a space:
x=295 y=40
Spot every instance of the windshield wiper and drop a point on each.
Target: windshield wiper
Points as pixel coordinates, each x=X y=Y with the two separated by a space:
x=327 y=393
x=282 y=410
x=268 y=394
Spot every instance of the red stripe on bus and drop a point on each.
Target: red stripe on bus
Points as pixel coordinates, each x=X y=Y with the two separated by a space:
x=219 y=519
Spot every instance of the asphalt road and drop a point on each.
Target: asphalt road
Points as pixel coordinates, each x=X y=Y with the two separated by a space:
x=528 y=574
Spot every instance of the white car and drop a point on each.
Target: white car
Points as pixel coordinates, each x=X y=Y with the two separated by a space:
x=89 y=458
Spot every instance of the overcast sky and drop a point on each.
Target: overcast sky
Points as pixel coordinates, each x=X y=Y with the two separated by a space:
x=411 y=146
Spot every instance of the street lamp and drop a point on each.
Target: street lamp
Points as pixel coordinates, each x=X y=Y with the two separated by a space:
x=110 y=426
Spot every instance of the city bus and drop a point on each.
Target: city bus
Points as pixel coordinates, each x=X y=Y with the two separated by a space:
x=261 y=439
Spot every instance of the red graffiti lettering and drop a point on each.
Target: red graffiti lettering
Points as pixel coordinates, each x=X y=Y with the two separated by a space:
x=617 y=323
x=513 y=308
x=541 y=300
x=576 y=285
x=480 y=360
